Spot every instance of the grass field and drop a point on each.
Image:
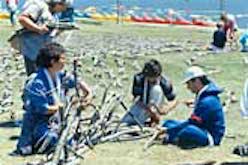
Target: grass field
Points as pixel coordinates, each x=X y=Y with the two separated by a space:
x=232 y=76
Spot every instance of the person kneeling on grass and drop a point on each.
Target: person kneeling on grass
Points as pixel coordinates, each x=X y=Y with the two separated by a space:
x=206 y=125
x=43 y=97
x=149 y=90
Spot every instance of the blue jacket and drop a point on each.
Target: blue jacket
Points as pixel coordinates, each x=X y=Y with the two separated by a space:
x=208 y=114
x=219 y=38
x=37 y=97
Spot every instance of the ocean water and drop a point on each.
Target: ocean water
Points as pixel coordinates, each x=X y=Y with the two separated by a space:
x=186 y=7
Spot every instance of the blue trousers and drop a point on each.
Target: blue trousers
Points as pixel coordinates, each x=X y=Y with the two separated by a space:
x=185 y=135
x=45 y=138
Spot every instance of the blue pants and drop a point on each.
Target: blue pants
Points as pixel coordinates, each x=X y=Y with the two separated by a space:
x=185 y=135
x=30 y=66
x=138 y=112
x=45 y=138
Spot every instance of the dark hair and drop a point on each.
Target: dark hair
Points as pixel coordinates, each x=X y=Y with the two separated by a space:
x=219 y=25
x=204 y=80
x=53 y=3
x=51 y=51
x=223 y=16
x=152 y=68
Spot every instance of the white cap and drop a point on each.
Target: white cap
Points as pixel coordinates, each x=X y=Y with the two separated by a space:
x=193 y=72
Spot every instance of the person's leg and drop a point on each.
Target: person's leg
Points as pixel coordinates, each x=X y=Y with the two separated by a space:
x=45 y=138
x=173 y=128
x=25 y=141
x=170 y=123
x=12 y=17
x=138 y=112
x=192 y=136
x=30 y=66
x=156 y=95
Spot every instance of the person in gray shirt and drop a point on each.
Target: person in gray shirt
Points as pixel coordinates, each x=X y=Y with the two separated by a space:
x=35 y=16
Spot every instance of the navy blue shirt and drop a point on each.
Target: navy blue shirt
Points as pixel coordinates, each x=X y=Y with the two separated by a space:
x=219 y=39
x=138 y=87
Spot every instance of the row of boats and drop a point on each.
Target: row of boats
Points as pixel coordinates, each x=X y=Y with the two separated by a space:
x=145 y=18
x=155 y=19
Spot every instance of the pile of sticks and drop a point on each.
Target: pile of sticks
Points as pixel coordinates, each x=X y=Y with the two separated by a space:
x=79 y=135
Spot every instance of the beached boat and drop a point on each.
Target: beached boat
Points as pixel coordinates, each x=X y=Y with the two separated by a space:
x=4 y=15
x=201 y=20
x=203 y=23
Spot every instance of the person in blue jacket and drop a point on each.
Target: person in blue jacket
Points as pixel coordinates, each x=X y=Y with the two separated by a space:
x=206 y=125
x=68 y=14
x=150 y=88
x=244 y=41
x=44 y=94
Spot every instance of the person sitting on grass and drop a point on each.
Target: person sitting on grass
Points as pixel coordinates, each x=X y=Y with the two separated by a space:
x=244 y=41
x=149 y=90
x=219 y=38
x=206 y=125
x=43 y=97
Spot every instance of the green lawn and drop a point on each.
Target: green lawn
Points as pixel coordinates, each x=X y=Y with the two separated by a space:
x=232 y=76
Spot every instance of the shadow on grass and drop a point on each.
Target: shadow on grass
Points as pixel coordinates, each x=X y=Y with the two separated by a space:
x=10 y=124
x=235 y=163
x=214 y=162
x=14 y=138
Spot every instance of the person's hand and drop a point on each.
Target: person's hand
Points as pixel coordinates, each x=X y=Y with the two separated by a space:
x=154 y=114
x=43 y=29
x=85 y=102
x=59 y=105
x=188 y=102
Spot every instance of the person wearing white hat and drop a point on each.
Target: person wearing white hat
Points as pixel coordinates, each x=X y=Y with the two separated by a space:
x=206 y=125
x=35 y=16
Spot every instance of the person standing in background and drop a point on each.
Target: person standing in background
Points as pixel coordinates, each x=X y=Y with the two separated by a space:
x=12 y=8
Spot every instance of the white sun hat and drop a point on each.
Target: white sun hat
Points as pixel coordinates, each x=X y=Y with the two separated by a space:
x=193 y=72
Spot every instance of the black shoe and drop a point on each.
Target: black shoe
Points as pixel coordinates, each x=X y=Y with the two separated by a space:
x=241 y=150
x=15 y=153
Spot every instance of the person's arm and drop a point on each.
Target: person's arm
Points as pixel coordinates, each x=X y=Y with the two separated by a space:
x=137 y=86
x=39 y=100
x=87 y=98
x=165 y=109
x=27 y=23
x=30 y=15
x=188 y=102
x=51 y=109
x=168 y=91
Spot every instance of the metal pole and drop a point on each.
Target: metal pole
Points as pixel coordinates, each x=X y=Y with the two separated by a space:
x=222 y=5
x=118 y=11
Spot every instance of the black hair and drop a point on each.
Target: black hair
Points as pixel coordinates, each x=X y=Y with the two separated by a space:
x=52 y=4
x=223 y=16
x=204 y=80
x=51 y=51
x=152 y=68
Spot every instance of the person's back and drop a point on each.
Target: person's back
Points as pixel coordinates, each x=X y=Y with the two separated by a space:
x=244 y=42
x=219 y=38
x=209 y=109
